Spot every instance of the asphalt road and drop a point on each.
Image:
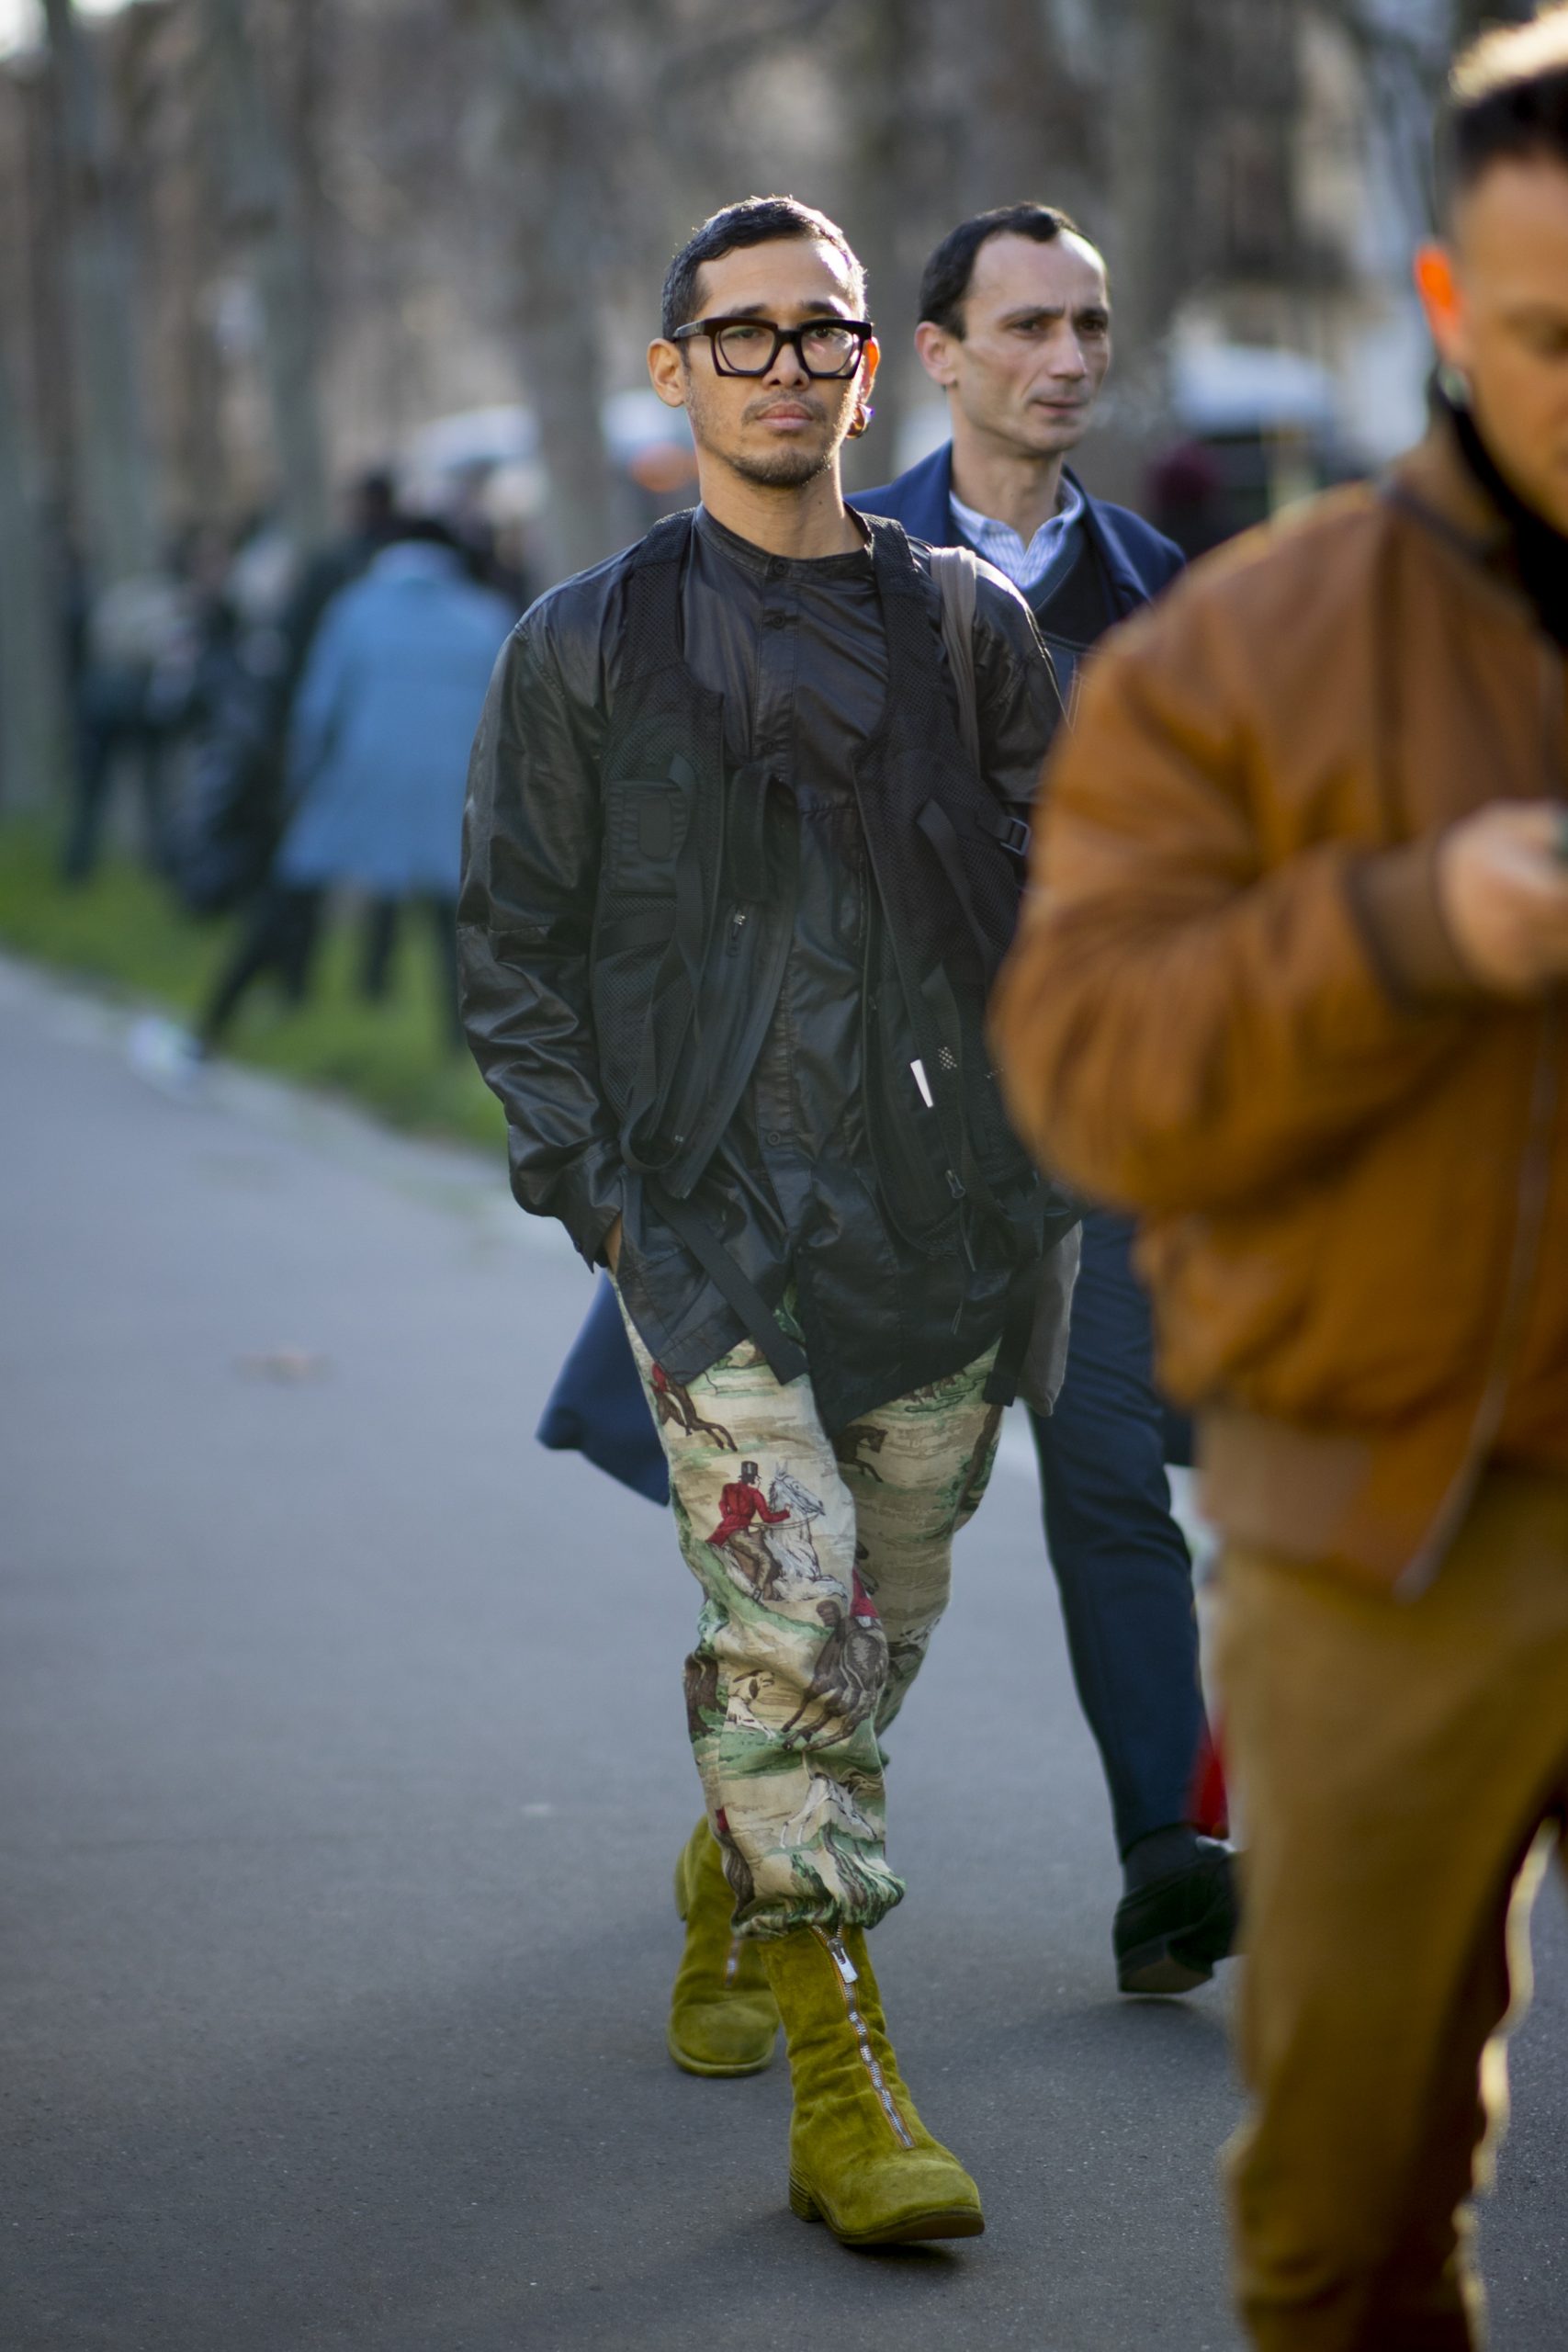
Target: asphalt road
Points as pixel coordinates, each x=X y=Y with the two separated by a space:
x=344 y=1767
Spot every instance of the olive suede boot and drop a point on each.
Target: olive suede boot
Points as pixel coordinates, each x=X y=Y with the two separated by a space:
x=859 y=2158
x=723 y=2019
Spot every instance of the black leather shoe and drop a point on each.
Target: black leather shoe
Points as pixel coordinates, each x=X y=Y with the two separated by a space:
x=1170 y=1935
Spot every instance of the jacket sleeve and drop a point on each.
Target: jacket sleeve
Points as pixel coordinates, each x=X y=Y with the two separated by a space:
x=531 y=841
x=1198 y=1007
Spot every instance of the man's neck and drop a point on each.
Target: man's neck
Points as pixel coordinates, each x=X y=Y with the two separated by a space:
x=1011 y=486
x=803 y=521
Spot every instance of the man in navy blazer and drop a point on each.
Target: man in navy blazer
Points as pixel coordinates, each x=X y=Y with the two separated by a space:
x=1015 y=326
x=1138 y=560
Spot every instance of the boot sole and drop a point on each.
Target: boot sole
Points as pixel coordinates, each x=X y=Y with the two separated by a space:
x=1181 y=1961
x=1158 y=1968
x=690 y=2065
x=915 y=2229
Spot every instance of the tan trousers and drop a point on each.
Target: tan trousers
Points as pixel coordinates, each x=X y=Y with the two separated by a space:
x=1400 y=1767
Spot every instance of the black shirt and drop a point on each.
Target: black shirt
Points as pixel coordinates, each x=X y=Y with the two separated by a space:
x=797 y=651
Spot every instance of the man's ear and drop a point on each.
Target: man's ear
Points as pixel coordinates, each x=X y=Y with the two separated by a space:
x=667 y=372
x=937 y=355
x=1438 y=287
x=871 y=361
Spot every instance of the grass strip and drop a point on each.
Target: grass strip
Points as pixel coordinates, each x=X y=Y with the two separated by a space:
x=123 y=933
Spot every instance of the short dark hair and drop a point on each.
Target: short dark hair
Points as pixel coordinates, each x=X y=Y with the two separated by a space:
x=756 y=221
x=429 y=530
x=946 y=278
x=1507 y=101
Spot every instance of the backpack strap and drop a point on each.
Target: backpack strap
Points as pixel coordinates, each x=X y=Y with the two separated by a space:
x=653 y=602
x=957 y=577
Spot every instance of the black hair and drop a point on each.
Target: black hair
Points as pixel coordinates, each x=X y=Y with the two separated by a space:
x=756 y=221
x=946 y=278
x=1507 y=101
x=375 y=494
x=430 y=530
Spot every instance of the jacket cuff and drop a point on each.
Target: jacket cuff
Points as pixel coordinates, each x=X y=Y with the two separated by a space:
x=588 y=1206
x=591 y=1240
x=585 y=1195
x=1393 y=897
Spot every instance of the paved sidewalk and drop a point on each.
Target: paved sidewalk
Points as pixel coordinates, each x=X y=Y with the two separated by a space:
x=343 y=1763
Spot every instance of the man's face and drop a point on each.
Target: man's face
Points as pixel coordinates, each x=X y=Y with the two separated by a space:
x=784 y=428
x=1497 y=304
x=1036 y=344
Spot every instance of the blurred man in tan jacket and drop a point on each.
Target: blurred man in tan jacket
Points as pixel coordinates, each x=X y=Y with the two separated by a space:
x=1290 y=988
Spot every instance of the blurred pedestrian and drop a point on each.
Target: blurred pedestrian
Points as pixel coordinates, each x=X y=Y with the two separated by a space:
x=1291 y=989
x=137 y=629
x=737 y=879
x=263 y=628
x=379 y=744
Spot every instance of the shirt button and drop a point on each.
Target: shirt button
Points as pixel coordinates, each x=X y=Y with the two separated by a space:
x=775 y=1138
x=775 y=567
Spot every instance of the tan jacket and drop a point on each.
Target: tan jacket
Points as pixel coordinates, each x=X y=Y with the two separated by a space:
x=1233 y=1006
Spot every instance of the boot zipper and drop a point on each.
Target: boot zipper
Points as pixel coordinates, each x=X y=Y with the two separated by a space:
x=848 y=1977
x=732 y=1965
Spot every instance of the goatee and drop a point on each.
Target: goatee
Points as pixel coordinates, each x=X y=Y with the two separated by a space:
x=784 y=469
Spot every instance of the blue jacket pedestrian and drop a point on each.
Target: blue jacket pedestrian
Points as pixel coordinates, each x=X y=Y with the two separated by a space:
x=384 y=722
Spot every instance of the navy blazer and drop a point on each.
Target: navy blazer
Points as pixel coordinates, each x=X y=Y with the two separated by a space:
x=1138 y=560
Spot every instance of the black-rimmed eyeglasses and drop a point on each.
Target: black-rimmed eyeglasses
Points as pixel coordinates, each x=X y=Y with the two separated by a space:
x=824 y=347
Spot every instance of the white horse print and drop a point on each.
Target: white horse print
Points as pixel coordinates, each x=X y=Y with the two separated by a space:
x=792 y=1546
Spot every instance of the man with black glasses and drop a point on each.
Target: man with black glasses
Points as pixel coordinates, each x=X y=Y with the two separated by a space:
x=741 y=863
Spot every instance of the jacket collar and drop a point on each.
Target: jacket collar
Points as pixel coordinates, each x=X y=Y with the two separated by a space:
x=1436 y=485
x=925 y=509
x=925 y=506
x=1434 y=481
x=1128 y=588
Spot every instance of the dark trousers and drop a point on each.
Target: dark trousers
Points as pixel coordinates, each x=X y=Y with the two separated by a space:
x=1120 y=1559
x=382 y=923
x=280 y=936
x=113 y=729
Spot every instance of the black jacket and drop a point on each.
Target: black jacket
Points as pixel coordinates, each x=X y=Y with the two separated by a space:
x=600 y=757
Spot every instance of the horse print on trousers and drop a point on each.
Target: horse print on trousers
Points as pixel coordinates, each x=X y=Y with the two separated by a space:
x=824 y=1562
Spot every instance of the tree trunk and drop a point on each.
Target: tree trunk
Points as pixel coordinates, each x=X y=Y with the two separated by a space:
x=1151 y=136
x=112 y=462
x=559 y=146
x=33 y=722
x=262 y=204
x=887 y=191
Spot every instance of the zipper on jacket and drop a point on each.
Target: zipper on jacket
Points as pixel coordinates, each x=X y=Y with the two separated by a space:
x=737 y=929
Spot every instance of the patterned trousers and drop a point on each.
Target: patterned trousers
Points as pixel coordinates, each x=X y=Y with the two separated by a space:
x=825 y=1565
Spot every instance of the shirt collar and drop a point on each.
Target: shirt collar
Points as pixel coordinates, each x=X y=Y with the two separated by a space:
x=1049 y=550
x=757 y=561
